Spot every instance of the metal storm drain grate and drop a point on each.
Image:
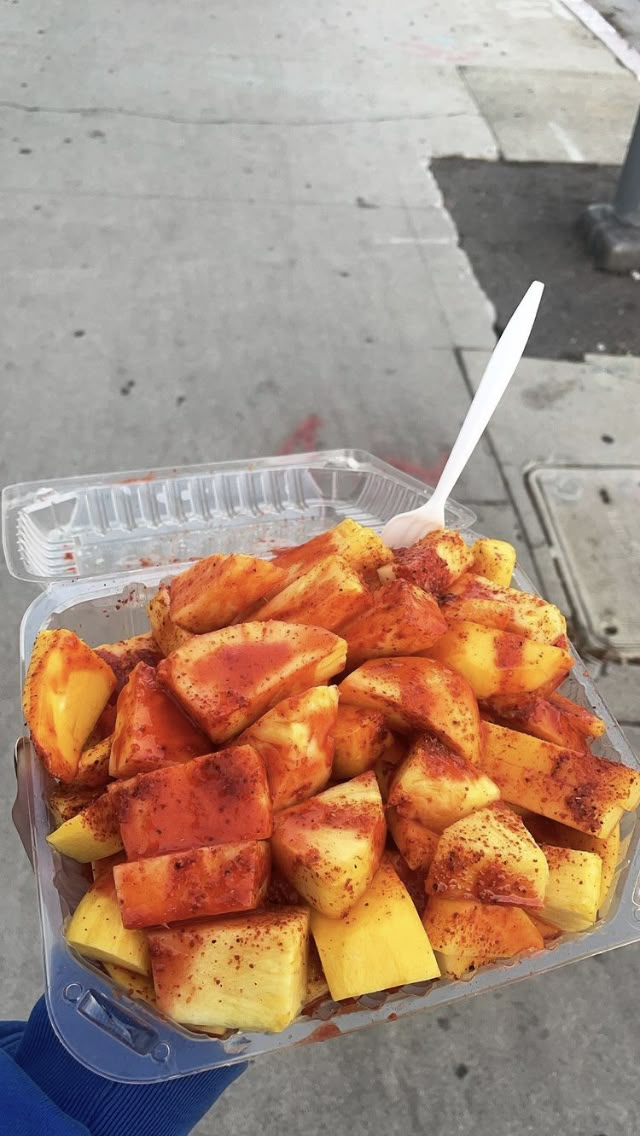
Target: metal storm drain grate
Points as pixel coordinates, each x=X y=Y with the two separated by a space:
x=592 y=517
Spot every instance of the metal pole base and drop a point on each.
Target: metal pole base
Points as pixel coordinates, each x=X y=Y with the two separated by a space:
x=614 y=246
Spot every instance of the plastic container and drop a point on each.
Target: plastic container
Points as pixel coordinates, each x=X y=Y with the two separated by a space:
x=99 y=546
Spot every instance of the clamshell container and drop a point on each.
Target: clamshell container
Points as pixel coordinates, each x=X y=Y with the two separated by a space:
x=98 y=547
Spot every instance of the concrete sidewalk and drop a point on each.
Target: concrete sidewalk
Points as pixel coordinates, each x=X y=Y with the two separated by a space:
x=219 y=227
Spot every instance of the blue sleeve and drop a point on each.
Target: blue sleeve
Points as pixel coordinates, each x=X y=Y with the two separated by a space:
x=44 y=1089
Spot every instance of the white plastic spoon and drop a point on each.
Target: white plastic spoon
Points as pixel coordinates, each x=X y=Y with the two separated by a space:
x=406 y=528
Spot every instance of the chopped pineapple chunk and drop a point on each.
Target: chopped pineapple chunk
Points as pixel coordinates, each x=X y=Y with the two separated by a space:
x=215 y=591
x=489 y=856
x=65 y=691
x=494 y=559
x=151 y=731
x=244 y=972
x=466 y=934
x=361 y=737
x=330 y=846
x=166 y=633
x=361 y=547
x=436 y=787
x=576 y=788
x=416 y=843
x=96 y=930
x=435 y=561
x=573 y=891
x=226 y=679
x=497 y=662
x=91 y=834
x=93 y=766
x=418 y=694
x=327 y=595
x=296 y=745
x=380 y=943
x=400 y=619
x=136 y=985
x=477 y=600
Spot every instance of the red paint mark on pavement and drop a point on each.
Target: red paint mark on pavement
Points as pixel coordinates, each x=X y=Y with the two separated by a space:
x=304 y=437
x=426 y=473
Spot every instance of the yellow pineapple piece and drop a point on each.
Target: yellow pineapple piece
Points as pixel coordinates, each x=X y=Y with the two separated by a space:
x=330 y=847
x=244 y=972
x=361 y=547
x=227 y=679
x=418 y=694
x=573 y=892
x=96 y=930
x=416 y=844
x=124 y=655
x=489 y=856
x=432 y=563
x=91 y=834
x=216 y=590
x=65 y=691
x=166 y=633
x=436 y=787
x=576 y=788
x=327 y=595
x=609 y=848
x=466 y=934
x=380 y=943
x=65 y=801
x=497 y=662
x=296 y=745
x=494 y=559
x=588 y=724
x=93 y=766
x=361 y=737
x=136 y=985
x=388 y=762
x=477 y=600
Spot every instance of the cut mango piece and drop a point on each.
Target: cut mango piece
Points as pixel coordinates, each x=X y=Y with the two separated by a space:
x=216 y=590
x=543 y=719
x=227 y=679
x=96 y=930
x=380 y=943
x=296 y=744
x=91 y=834
x=573 y=891
x=477 y=600
x=489 y=856
x=65 y=691
x=401 y=619
x=330 y=593
x=330 y=846
x=221 y=798
x=437 y=787
x=418 y=694
x=494 y=559
x=466 y=934
x=165 y=632
x=576 y=788
x=361 y=737
x=209 y=881
x=151 y=730
x=434 y=562
x=498 y=662
x=244 y=972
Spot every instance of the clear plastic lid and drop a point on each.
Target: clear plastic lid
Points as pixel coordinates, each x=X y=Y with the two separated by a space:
x=121 y=522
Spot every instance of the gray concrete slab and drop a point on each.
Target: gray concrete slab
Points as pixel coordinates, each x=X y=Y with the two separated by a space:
x=256 y=317
x=567 y=116
x=546 y=1055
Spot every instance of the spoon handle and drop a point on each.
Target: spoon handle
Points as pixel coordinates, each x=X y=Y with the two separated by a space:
x=499 y=372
